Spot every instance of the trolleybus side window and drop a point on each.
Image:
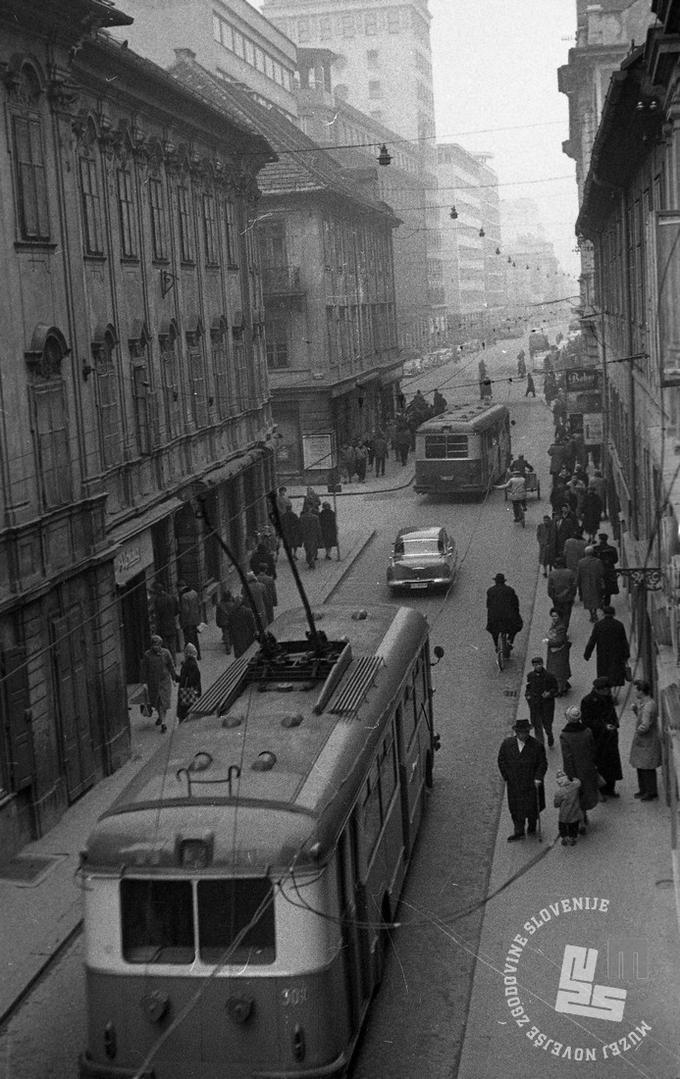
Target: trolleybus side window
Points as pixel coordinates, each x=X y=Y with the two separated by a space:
x=236 y=921
x=388 y=771
x=157 y=921
x=371 y=820
x=446 y=446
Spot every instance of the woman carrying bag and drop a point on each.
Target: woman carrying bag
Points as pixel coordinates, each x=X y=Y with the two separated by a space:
x=189 y=688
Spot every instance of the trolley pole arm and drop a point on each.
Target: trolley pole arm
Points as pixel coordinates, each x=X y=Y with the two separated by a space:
x=275 y=518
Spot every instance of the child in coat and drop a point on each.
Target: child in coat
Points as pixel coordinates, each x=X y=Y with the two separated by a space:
x=567 y=801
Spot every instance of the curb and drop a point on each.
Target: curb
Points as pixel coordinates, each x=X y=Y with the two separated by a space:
x=351 y=559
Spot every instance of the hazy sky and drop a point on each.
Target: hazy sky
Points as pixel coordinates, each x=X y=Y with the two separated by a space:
x=495 y=66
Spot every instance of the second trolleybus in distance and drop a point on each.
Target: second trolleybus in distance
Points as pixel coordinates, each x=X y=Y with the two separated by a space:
x=464 y=450
x=239 y=892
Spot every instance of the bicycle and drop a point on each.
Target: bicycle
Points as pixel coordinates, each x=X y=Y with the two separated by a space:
x=519 y=512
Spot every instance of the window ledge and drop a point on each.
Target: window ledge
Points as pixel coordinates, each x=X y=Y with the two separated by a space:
x=34 y=245
x=130 y=260
x=233 y=266
x=94 y=258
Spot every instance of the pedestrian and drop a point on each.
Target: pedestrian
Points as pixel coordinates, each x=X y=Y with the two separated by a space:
x=598 y=713
x=522 y=763
x=577 y=489
x=502 y=611
x=262 y=556
x=531 y=388
x=347 y=461
x=599 y=486
x=283 y=502
x=269 y=595
x=558 y=453
x=290 y=528
x=189 y=615
x=380 y=449
x=610 y=643
x=157 y=673
x=558 y=647
x=165 y=611
x=329 y=531
x=223 y=609
x=591 y=512
x=242 y=627
x=361 y=461
x=590 y=582
x=578 y=760
x=310 y=531
x=403 y=444
x=609 y=557
x=574 y=549
x=566 y=525
x=311 y=501
x=369 y=446
x=253 y=595
x=562 y=589
x=391 y=435
x=546 y=536
x=540 y=693
x=189 y=686
x=645 y=750
x=567 y=799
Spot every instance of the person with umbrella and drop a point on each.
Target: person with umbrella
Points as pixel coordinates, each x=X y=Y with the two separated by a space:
x=522 y=763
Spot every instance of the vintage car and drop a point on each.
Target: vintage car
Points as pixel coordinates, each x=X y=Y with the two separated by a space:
x=422 y=558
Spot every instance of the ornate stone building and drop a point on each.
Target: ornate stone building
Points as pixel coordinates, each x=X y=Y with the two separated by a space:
x=132 y=366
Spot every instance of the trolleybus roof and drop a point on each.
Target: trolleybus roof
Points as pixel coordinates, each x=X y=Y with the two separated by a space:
x=466 y=415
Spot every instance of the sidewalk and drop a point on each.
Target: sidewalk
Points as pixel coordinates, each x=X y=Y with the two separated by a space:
x=625 y=861
x=40 y=917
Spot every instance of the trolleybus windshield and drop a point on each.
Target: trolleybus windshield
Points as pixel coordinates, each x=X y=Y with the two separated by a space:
x=445 y=446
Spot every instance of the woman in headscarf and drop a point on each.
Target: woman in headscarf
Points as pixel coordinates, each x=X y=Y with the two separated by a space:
x=158 y=673
x=558 y=646
x=189 y=688
x=578 y=760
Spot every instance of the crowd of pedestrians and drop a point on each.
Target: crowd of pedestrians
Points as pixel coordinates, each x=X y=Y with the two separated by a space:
x=579 y=564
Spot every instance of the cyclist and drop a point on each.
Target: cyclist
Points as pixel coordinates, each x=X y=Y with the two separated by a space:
x=520 y=465
x=502 y=611
x=517 y=493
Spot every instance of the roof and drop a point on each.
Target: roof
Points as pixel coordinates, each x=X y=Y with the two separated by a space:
x=416 y=533
x=474 y=413
x=303 y=166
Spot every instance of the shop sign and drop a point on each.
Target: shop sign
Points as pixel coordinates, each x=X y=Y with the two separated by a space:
x=581 y=379
x=133 y=557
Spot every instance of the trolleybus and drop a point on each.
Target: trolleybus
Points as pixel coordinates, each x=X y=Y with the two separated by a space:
x=464 y=450
x=238 y=894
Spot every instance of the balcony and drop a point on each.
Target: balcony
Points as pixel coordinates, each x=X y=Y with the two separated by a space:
x=281 y=284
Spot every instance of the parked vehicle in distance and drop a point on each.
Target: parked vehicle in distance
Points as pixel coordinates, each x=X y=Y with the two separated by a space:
x=422 y=558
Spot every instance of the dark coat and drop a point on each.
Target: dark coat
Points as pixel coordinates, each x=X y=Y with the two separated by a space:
x=598 y=714
x=590 y=581
x=311 y=534
x=578 y=761
x=166 y=609
x=519 y=770
x=189 y=678
x=591 y=511
x=502 y=610
x=574 y=549
x=609 y=557
x=329 y=532
x=547 y=541
x=290 y=526
x=260 y=557
x=242 y=629
x=564 y=528
x=269 y=595
x=562 y=585
x=539 y=682
x=610 y=640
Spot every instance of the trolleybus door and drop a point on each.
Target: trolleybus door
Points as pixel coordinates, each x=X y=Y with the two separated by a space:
x=413 y=734
x=354 y=924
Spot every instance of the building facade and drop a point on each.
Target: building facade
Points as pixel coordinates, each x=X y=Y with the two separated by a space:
x=382 y=67
x=132 y=367
x=325 y=240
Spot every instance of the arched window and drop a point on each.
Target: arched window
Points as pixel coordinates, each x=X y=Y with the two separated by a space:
x=104 y=348
x=29 y=162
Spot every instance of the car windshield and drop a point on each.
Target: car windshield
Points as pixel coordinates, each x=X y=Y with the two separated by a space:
x=416 y=548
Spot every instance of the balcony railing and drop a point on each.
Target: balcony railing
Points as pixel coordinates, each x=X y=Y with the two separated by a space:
x=282 y=280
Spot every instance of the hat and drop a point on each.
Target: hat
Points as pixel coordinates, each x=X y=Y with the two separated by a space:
x=191 y=650
x=602 y=682
x=608 y=609
x=522 y=725
x=590 y=549
x=499 y=578
x=537 y=659
x=156 y=639
x=573 y=714
x=602 y=535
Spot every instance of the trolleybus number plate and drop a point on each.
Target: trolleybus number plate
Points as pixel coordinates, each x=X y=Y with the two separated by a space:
x=290 y=998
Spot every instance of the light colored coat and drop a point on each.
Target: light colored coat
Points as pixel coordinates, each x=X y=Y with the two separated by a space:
x=590 y=581
x=645 y=750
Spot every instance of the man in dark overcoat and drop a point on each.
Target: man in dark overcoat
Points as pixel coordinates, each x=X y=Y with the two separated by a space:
x=613 y=651
x=310 y=530
x=502 y=610
x=562 y=588
x=540 y=693
x=609 y=556
x=590 y=582
x=242 y=626
x=522 y=763
x=598 y=714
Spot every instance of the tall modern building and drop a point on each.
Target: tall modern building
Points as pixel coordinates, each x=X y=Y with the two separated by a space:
x=382 y=66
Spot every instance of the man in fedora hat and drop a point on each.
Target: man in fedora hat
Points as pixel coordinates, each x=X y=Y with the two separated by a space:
x=598 y=714
x=502 y=610
x=540 y=693
x=522 y=763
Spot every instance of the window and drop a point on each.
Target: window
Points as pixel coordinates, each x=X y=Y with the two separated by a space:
x=259 y=58
x=445 y=446
x=371 y=816
x=347 y=24
x=28 y=158
x=210 y=230
x=141 y=401
x=236 y=921
x=186 y=238
x=278 y=343
x=51 y=434
x=199 y=404
x=159 y=221
x=374 y=89
x=371 y=23
x=220 y=360
x=108 y=401
x=91 y=206
x=325 y=27
x=372 y=57
x=126 y=213
x=388 y=771
x=393 y=21
x=170 y=379
x=157 y=921
x=239 y=45
x=249 y=49
x=268 y=66
x=229 y=234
